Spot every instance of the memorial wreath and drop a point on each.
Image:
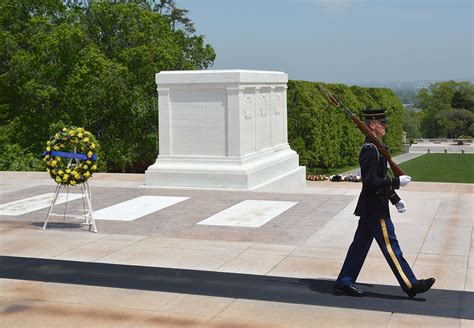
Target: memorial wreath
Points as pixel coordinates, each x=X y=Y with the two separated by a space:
x=70 y=157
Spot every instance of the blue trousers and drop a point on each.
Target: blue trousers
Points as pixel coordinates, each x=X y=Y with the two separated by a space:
x=384 y=233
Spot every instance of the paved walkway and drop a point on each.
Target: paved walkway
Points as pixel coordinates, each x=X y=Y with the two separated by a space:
x=166 y=269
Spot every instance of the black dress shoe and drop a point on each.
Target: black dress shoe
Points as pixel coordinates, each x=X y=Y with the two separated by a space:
x=420 y=286
x=348 y=291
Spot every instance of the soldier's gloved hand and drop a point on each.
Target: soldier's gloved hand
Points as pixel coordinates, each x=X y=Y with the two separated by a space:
x=401 y=206
x=404 y=180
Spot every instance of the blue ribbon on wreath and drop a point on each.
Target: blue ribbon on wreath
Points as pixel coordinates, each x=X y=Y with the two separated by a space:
x=64 y=154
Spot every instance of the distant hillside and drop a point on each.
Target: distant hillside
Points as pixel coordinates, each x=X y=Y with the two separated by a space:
x=406 y=91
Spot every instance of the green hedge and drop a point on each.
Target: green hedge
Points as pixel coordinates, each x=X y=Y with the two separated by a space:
x=324 y=136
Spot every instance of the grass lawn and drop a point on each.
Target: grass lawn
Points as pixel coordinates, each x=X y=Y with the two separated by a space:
x=441 y=168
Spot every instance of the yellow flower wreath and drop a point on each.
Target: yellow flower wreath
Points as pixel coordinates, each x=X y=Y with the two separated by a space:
x=70 y=157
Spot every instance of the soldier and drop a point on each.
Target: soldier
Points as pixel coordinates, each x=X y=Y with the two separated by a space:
x=375 y=222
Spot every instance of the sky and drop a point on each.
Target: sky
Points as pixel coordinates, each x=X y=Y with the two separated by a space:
x=346 y=41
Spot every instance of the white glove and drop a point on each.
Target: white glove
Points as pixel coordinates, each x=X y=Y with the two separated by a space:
x=401 y=206
x=404 y=180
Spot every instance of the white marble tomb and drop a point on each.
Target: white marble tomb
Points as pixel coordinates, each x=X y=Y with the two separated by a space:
x=224 y=129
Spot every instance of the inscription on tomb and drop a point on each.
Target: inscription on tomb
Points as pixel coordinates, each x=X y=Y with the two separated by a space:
x=198 y=125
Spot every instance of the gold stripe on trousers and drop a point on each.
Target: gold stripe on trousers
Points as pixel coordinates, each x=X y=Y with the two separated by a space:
x=392 y=254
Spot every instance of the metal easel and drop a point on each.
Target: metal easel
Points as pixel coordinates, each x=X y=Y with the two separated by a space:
x=88 y=215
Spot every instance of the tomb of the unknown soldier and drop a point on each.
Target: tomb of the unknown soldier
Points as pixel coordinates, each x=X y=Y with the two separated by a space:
x=224 y=129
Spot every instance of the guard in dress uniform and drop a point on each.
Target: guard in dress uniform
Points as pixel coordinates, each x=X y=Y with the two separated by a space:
x=373 y=209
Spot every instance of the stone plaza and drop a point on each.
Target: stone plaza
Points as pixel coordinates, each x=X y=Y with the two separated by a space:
x=278 y=274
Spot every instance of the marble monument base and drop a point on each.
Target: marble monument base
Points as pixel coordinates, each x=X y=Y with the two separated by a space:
x=275 y=168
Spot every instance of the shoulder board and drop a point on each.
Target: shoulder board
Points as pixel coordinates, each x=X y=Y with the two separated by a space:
x=368 y=145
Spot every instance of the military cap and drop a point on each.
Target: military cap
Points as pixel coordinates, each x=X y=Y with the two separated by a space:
x=375 y=114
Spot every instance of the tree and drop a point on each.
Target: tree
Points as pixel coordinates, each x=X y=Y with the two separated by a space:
x=176 y=15
x=411 y=123
x=455 y=123
x=463 y=97
x=437 y=103
x=89 y=63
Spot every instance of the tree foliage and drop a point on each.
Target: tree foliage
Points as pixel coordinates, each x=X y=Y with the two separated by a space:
x=447 y=110
x=89 y=64
x=411 y=123
x=323 y=136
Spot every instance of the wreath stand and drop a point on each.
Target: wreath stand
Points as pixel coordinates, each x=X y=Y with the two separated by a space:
x=88 y=215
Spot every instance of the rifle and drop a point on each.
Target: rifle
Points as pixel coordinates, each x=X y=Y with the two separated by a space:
x=396 y=169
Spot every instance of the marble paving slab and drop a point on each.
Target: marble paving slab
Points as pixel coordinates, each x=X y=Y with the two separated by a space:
x=35 y=203
x=249 y=213
x=136 y=208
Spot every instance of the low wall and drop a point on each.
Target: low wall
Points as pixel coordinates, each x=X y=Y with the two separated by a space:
x=443 y=141
x=441 y=148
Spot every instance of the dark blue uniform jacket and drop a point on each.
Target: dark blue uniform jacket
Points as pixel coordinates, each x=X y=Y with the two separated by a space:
x=377 y=187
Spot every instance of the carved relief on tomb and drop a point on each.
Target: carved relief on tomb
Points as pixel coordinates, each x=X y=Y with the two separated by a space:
x=277 y=103
x=263 y=104
x=248 y=105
